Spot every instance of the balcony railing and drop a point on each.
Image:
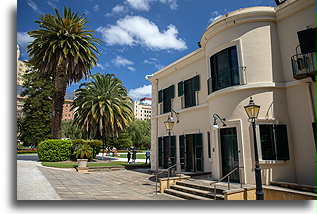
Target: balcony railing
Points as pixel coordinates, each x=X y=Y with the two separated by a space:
x=304 y=65
x=226 y=78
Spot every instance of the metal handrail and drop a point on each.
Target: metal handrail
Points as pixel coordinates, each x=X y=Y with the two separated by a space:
x=227 y=175
x=168 y=174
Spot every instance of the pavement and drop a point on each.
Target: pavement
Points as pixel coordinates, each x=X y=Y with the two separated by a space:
x=36 y=182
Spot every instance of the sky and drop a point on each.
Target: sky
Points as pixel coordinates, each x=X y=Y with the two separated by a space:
x=139 y=37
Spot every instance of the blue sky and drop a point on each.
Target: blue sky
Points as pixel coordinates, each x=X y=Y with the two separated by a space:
x=138 y=37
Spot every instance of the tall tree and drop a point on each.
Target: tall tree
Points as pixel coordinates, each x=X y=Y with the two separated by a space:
x=140 y=133
x=64 y=50
x=36 y=124
x=103 y=108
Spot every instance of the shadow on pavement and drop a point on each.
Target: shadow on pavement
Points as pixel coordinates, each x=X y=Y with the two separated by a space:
x=28 y=157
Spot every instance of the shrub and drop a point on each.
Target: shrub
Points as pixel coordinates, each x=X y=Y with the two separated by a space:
x=83 y=150
x=55 y=150
x=96 y=145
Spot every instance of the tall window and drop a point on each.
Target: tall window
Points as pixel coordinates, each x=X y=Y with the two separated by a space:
x=224 y=69
x=165 y=96
x=274 y=142
x=188 y=89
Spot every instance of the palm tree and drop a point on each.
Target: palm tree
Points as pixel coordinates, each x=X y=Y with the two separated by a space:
x=64 y=51
x=102 y=107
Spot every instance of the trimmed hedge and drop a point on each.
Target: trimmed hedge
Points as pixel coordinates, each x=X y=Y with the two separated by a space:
x=55 y=150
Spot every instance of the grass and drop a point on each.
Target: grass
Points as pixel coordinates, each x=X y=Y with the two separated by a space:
x=138 y=156
x=74 y=164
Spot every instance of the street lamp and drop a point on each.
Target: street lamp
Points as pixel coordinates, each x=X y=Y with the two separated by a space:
x=252 y=111
x=169 y=124
x=216 y=116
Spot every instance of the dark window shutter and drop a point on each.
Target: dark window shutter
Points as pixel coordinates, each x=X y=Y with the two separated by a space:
x=173 y=149
x=281 y=141
x=160 y=96
x=160 y=152
x=182 y=150
x=171 y=92
x=198 y=142
x=267 y=142
x=180 y=88
x=196 y=82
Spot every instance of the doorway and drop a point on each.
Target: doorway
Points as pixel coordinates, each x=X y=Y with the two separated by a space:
x=229 y=152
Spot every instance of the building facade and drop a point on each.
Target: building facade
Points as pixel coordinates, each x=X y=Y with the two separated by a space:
x=21 y=68
x=142 y=108
x=252 y=52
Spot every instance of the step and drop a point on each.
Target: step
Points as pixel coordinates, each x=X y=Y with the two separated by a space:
x=203 y=193
x=185 y=195
x=300 y=187
x=219 y=189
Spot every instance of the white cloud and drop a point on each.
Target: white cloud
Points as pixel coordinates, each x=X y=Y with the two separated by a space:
x=117 y=10
x=34 y=6
x=155 y=62
x=133 y=30
x=51 y=4
x=23 y=39
x=121 y=62
x=172 y=3
x=86 y=12
x=145 y=5
x=131 y=68
x=96 y=8
x=101 y=66
x=144 y=91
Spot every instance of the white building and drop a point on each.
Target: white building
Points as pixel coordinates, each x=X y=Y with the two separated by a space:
x=251 y=52
x=142 y=108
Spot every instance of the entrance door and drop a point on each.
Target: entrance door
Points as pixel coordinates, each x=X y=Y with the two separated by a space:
x=189 y=165
x=229 y=152
x=166 y=150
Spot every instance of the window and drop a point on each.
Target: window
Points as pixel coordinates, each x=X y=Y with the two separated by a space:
x=165 y=96
x=274 y=142
x=224 y=69
x=188 y=89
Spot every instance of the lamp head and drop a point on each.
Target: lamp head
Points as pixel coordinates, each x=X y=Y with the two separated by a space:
x=252 y=110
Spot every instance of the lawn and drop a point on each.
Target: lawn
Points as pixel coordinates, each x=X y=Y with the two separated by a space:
x=90 y=164
x=138 y=156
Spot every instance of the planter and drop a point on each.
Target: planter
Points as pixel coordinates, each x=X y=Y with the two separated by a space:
x=82 y=163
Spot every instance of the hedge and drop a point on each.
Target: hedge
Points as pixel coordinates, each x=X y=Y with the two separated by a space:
x=55 y=150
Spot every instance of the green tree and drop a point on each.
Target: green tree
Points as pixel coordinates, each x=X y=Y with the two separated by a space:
x=103 y=108
x=64 y=50
x=122 y=142
x=36 y=124
x=71 y=130
x=140 y=133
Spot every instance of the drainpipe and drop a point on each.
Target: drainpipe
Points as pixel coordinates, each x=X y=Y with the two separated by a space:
x=311 y=101
x=157 y=109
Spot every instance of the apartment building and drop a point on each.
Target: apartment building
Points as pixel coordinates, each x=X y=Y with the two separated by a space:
x=21 y=68
x=267 y=53
x=142 y=108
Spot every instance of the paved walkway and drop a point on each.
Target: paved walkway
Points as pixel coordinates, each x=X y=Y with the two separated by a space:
x=36 y=182
x=31 y=184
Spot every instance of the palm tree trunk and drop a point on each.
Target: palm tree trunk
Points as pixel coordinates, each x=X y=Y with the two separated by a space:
x=59 y=91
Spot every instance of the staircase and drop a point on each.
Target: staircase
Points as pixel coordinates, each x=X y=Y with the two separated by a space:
x=193 y=191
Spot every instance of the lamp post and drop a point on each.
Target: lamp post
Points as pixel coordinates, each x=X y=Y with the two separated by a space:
x=252 y=111
x=169 y=124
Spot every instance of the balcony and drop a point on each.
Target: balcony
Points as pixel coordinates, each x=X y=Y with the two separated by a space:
x=304 y=65
x=226 y=78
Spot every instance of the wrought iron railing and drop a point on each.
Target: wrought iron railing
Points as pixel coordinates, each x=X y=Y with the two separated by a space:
x=168 y=170
x=226 y=78
x=304 y=65
x=227 y=176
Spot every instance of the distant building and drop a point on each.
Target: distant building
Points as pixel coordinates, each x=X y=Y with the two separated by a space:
x=21 y=68
x=67 y=112
x=142 y=108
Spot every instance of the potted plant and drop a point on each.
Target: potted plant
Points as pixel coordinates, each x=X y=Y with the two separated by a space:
x=83 y=152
